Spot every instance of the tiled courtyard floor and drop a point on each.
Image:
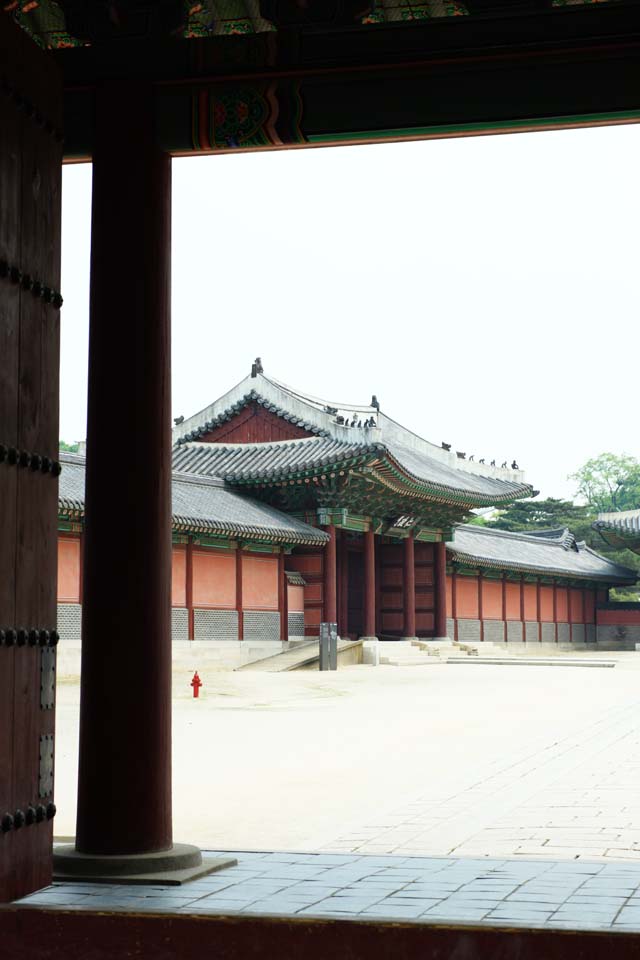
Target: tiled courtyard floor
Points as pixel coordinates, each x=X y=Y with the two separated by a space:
x=564 y=894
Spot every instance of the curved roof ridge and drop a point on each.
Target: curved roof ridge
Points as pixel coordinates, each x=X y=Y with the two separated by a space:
x=533 y=536
x=310 y=398
x=205 y=479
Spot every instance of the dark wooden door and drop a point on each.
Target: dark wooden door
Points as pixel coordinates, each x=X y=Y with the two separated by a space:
x=30 y=178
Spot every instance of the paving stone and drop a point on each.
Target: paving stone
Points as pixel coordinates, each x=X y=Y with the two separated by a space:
x=468 y=903
x=394 y=912
x=595 y=901
x=45 y=898
x=628 y=914
x=539 y=898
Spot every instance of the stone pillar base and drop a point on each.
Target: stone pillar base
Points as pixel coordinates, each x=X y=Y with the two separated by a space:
x=172 y=867
x=409 y=639
x=441 y=639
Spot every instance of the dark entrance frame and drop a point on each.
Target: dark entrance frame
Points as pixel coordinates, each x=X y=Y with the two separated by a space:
x=526 y=71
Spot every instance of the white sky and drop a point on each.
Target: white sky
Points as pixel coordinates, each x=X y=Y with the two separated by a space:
x=486 y=289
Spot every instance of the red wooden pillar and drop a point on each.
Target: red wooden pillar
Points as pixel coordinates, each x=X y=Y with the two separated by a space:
x=480 y=607
x=505 y=632
x=440 y=597
x=378 y=626
x=189 y=590
x=569 y=615
x=330 y=577
x=555 y=611
x=409 y=587
x=538 y=610
x=124 y=780
x=454 y=602
x=369 y=584
x=239 y=593
x=344 y=586
x=283 y=604
x=523 y=628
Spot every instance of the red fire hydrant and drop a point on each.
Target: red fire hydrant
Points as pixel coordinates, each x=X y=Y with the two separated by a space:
x=196 y=683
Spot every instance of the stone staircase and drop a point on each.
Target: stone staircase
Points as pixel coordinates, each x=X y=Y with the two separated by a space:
x=510 y=655
x=414 y=653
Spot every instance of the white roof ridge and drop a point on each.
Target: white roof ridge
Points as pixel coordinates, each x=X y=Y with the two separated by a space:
x=511 y=534
x=310 y=398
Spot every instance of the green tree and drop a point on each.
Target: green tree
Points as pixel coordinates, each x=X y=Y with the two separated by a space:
x=609 y=483
x=544 y=515
x=530 y=515
x=68 y=447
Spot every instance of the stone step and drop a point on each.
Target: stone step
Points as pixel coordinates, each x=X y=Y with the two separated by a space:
x=422 y=661
x=533 y=661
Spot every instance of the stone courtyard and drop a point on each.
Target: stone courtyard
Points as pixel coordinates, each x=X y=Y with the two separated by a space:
x=479 y=793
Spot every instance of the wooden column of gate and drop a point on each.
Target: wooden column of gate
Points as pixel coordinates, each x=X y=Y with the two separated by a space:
x=124 y=772
x=30 y=180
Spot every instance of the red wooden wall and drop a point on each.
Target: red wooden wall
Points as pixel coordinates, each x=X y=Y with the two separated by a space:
x=472 y=598
x=69 y=570
x=310 y=563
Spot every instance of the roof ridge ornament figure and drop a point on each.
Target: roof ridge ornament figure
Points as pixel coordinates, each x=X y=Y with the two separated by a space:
x=256 y=367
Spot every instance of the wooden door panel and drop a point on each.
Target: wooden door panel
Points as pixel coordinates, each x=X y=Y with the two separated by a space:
x=30 y=183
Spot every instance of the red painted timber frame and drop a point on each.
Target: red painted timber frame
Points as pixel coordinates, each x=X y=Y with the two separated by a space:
x=57 y=934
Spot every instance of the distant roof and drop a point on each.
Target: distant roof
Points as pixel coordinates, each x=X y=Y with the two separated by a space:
x=201 y=505
x=339 y=432
x=543 y=552
x=621 y=529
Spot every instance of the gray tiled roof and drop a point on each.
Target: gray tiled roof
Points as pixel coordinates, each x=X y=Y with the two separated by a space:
x=242 y=462
x=260 y=461
x=426 y=468
x=364 y=426
x=544 y=552
x=202 y=504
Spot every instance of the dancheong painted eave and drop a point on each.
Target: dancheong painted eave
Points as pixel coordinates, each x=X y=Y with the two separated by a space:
x=201 y=505
x=546 y=552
